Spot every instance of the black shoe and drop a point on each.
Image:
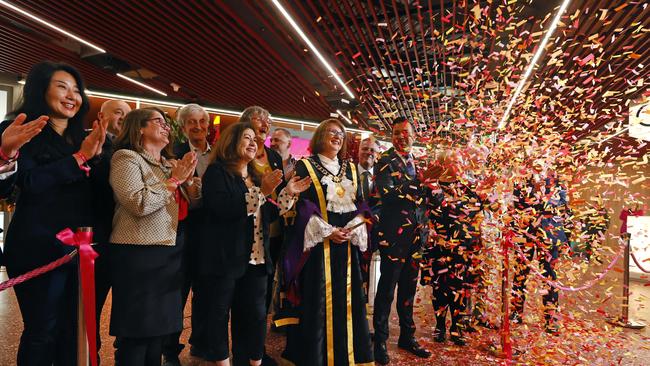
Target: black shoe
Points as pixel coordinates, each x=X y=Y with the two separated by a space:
x=516 y=318
x=469 y=328
x=414 y=347
x=458 y=340
x=381 y=354
x=268 y=361
x=486 y=324
x=552 y=328
x=440 y=336
x=171 y=361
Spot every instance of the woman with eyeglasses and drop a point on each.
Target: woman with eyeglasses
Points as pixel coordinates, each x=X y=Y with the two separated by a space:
x=53 y=176
x=322 y=261
x=152 y=198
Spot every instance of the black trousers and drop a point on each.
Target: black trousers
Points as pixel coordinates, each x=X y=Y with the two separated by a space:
x=218 y=299
x=139 y=351
x=447 y=297
x=402 y=273
x=48 y=304
x=547 y=258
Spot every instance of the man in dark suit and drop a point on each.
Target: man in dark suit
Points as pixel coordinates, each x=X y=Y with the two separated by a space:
x=400 y=237
x=112 y=113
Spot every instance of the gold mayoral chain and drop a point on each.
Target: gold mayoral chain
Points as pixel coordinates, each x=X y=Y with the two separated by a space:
x=337 y=179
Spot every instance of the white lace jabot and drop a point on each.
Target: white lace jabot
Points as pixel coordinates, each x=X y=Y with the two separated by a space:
x=340 y=196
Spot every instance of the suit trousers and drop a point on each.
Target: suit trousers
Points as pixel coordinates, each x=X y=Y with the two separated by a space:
x=402 y=273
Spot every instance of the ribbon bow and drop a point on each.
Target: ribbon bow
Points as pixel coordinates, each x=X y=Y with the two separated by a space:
x=87 y=255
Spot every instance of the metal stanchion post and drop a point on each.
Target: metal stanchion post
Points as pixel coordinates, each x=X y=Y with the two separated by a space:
x=82 y=341
x=625 y=321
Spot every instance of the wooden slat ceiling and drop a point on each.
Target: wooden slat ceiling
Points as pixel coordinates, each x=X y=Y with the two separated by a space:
x=202 y=46
x=451 y=65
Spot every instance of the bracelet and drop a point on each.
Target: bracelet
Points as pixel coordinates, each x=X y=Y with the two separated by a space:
x=84 y=162
x=8 y=159
x=174 y=181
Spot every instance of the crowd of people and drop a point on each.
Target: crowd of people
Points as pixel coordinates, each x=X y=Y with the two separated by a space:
x=250 y=231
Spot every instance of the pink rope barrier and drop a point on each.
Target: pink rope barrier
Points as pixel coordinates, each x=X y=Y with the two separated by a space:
x=37 y=272
x=637 y=263
x=557 y=284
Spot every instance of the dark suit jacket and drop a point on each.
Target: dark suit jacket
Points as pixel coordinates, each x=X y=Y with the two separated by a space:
x=54 y=194
x=402 y=218
x=227 y=231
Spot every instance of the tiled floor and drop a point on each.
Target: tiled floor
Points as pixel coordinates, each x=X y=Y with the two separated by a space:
x=585 y=337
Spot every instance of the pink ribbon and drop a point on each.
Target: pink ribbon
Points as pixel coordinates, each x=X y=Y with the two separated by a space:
x=87 y=255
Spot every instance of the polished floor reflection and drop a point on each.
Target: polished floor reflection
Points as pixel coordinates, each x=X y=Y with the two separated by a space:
x=585 y=337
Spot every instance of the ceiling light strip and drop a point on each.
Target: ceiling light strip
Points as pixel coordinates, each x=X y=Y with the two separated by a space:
x=376 y=88
x=228 y=112
x=533 y=62
x=361 y=73
x=313 y=48
x=142 y=85
x=50 y=25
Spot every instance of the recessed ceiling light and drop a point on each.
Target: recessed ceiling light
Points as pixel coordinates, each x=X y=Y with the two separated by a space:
x=313 y=48
x=50 y=25
x=142 y=84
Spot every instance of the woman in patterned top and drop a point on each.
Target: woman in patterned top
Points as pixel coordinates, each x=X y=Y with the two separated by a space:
x=233 y=253
x=151 y=196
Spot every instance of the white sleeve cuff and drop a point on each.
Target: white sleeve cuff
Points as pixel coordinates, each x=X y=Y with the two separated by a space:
x=254 y=200
x=316 y=231
x=285 y=201
x=359 y=235
x=8 y=173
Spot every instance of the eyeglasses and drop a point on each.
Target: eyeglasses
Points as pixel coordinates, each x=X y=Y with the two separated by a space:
x=160 y=122
x=340 y=134
x=263 y=119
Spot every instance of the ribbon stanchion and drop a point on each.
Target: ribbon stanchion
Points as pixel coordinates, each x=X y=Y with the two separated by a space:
x=505 y=349
x=82 y=239
x=625 y=321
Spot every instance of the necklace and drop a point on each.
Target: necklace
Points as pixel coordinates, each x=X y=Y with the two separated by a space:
x=337 y=179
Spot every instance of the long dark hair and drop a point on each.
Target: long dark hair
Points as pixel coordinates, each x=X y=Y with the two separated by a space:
x=34 y=105
x=226 y=153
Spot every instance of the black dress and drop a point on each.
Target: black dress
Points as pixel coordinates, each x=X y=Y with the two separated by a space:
x=331 y=335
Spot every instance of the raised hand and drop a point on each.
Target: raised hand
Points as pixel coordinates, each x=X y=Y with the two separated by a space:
x=19 y=133
x=295 y=186
x=92 y=144
x=183 y=169
x=270 y=181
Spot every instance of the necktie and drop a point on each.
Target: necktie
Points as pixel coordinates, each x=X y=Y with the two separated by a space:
x=365 y=184
x=410 y=166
